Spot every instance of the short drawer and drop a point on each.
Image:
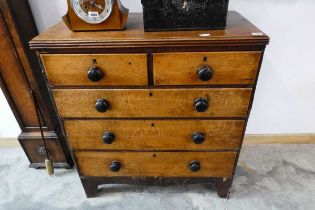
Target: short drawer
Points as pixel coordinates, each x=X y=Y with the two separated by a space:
x=109 y=69
x=150 y=164
x=205 y=68
x=213 y=102
x=154 y=134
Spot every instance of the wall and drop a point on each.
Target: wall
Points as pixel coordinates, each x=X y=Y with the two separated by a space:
x=285 y=95
x=9 y=128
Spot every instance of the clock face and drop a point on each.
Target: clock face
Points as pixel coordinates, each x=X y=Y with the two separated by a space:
x=92 y=11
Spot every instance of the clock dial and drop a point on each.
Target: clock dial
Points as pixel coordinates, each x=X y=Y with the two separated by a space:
x=92 y=11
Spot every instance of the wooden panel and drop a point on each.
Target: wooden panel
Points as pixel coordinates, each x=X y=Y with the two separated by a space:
x=238 y=30
x=11 y=71
x=34 y=147
x=167 y=164
x=154 y=134
x=301 y=138
x=223 y=102
x=227 y=67
x=21 y=29
x=122 y=69
x=19 y=73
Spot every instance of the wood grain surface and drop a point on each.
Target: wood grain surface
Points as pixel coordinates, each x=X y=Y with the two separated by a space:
x=166 y=164
x=154 y=134
x=238 y=31
x=223 y=102
x=14 y=81
x=119 y=69
x=32 y=141
x=227 y=67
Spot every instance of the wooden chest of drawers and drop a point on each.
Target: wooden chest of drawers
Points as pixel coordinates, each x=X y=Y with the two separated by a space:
x=153 y=107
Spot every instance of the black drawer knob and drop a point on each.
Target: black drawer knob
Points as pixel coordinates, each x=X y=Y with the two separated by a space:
x=102 y=105
x=201 y=104
x=95 y=74
x=108 y=137
x=205 y=73
x=115 y=166
x=194 y=166
x=198 y=138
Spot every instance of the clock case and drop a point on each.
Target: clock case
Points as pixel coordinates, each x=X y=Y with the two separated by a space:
x=116 y=21
x=168 y=15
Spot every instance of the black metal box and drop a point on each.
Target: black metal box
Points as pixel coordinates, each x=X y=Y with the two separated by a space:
x=167 y=15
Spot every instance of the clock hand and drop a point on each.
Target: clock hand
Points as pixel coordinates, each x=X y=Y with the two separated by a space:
x=93 y=2
x=99 y=6
x=185 y=5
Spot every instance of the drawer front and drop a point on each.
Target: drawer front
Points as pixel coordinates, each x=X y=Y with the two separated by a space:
x=221 y=102
x=206 y=68
x=35 y=150
x=73 y=70
x=149 y=164
x=154 y=134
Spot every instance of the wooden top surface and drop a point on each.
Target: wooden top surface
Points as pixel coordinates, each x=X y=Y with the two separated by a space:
x=238 y=30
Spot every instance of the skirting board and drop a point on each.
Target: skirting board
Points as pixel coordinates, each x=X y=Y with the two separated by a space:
x=9 y=143
x=249 y=139
x=280 y=139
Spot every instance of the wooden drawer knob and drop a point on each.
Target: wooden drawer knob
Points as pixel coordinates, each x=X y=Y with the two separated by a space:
x=109 y=137
x=95 y=74
x=194 y=166
x=201 y=104
x=102 y=105
x=205 y=73
x=198 y=138
x=115 y=166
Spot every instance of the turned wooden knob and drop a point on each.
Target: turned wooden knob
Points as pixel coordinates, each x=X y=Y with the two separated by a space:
x=95 y=74
x=198 y=138
x=205 y=73
x=201 y=104
x=102 y=105
x=194 y=166
x=109 y=137
x=115 y=166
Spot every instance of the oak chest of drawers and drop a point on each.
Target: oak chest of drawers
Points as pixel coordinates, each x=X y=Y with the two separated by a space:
x=153 y=107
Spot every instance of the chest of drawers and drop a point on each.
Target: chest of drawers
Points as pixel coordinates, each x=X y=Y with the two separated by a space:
x=156 y=108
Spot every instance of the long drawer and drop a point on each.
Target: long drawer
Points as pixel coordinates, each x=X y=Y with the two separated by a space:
x=154 y=134
x=205 y=68
x=116 y=69
x=150 y=164
x=203 y=102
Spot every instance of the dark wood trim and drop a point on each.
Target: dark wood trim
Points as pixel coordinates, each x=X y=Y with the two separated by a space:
x=155 y=118
x=150 y=69
x=56 y=165
x=37 y=135
x=151 y=87
x=40 y=45
x=161 y=150
x=223 y=186
x=249 y=111
x=92 y=185
x=160 y=49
